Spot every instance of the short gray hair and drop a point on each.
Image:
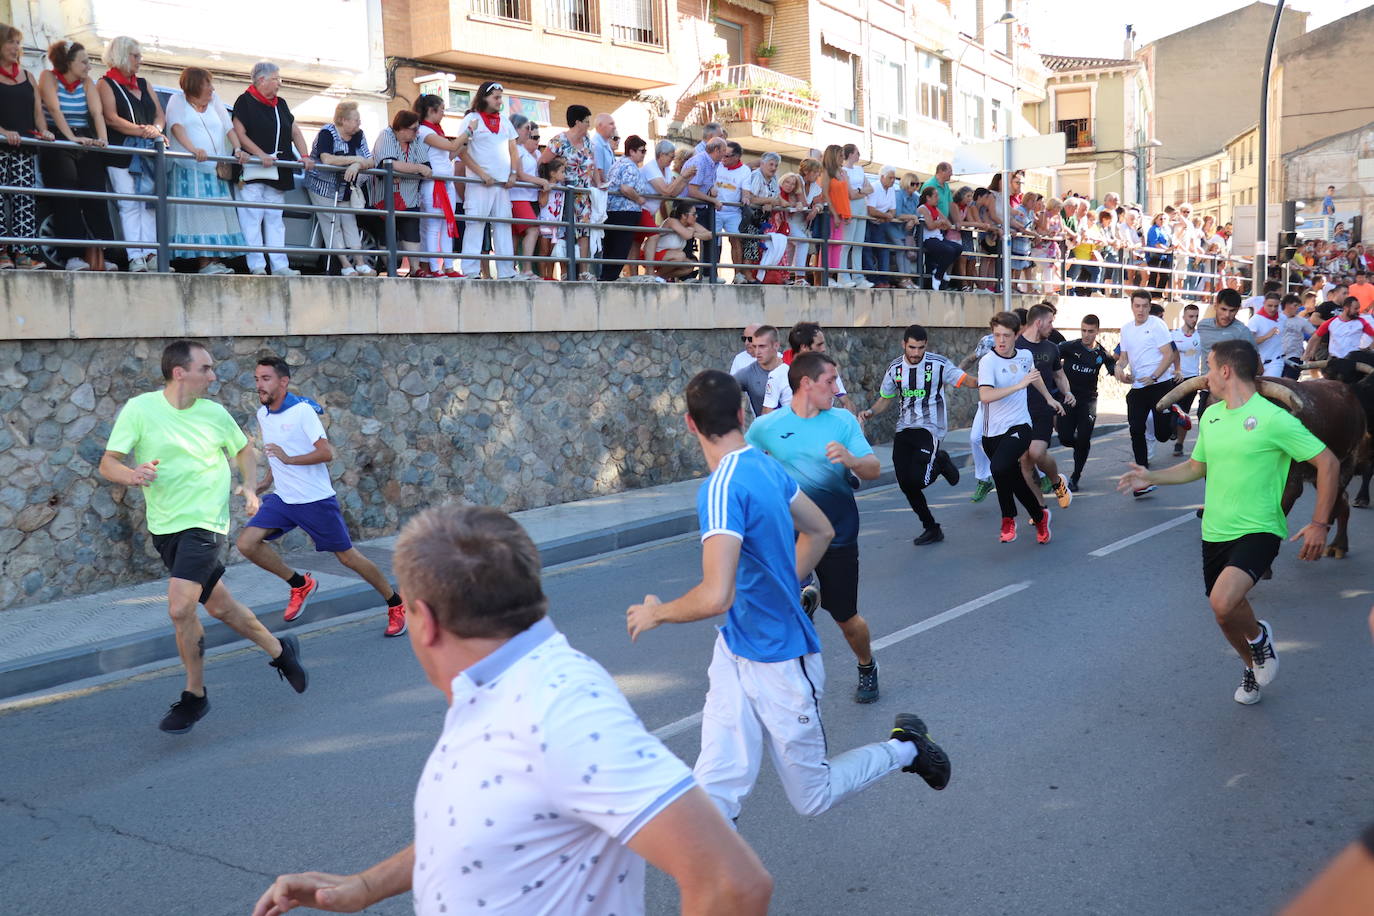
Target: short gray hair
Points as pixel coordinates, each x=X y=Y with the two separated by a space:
x=119 y=53
x=518 y=121
x=664 y=146
x=887 y=170
x=712 y=128
x=770 y=157
x=262 y=69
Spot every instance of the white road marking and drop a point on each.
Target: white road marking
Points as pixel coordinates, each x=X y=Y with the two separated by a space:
x=1114 y=546
x=681 y=725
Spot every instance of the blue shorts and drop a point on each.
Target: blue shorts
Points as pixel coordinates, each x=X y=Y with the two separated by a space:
x=323 y=520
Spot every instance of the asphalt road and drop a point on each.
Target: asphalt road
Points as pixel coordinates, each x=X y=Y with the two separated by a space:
x=1100 y=764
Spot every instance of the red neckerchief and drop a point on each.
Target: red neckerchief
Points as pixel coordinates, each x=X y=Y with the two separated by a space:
x=12 y=77
x=270 y=103
x=70 y=87
x=492 y=119
x=438 y=129
x=445 y=205
x=123 y=79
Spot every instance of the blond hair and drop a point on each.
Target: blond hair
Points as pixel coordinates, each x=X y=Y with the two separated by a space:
x=120 y=51
x=343 y=110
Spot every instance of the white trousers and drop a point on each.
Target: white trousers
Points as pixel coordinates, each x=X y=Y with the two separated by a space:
x=852 y=256
x=749 y=702
x=263 y=227
x=482 y=201
x=434 y=228
x=136 y=219
x=982 y=465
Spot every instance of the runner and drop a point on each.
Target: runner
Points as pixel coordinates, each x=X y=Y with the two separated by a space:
x=1344 y=331
x=820 y=446
x=766 y=676
x=1222 y=326
x=544 y=793
x=982 y=470
x=1293 y=335
x=1266 y=324
x=1187 y=364
x=746 y=356
x=179 y=439
x=767 y=367
x=809 y=337
x=1003 y=376
x=1147 y=348
x=298 y=454
x=1244 y=447
x=919 y=378
x=1083 y=359
x=1035 y=340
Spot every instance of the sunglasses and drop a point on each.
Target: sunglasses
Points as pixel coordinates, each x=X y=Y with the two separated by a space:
x=534 y=136
x=746 y=338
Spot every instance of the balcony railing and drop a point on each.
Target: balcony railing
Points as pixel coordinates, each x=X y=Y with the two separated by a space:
x=572 y=16
x=1078 y=132
x=638 y=21
x=752 y=94
x=517 y=10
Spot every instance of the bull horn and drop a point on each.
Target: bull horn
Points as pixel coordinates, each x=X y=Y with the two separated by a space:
x=1286 y=396
x=1365 y=368
x=1181 y=391
x=1315 y=364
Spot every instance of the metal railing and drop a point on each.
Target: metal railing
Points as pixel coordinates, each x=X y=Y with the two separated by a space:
x=572 y=16
x=638 y=21
x=517 y=10
x=1078 y=132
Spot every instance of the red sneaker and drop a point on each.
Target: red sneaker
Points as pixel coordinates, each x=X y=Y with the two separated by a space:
x=299 y=596
x=1042 y=528
x=1185 y=423
x=396 y=620
x=453 y=274
x=1008 y=530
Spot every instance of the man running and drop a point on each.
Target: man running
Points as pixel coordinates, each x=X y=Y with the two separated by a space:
x=1003 y=376
x=1187 y=364
x=298 y=454
x=982 y=471
x=1035 y=340
x=919 y=379
x=544 y=793
x=809 y=337
x=766 y=676
x=1221 y=326
x=1083 y=359
x=180 y=439
x=1266 y=324
x=1244 y=447
x=820 y=446
x=1147 y=349
x=746 y=356
x=767 y=367
x=1344 y=331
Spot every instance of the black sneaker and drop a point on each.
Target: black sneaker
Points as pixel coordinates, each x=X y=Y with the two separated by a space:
x=945 y=468
x=811 y=597
x=1073 y=484
x=185 y=713
x=854 y=481
x=1143 y=491
x=1178 y=449
x=931 y=763
x=868 y=684
x=932 y=535
x=288 y=664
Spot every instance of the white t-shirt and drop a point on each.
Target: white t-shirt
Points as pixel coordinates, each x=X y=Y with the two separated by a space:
x=998 y=371
x=883 y=198
x=1344 y=335
x=1271 y=349
x=742 y=358
x=529 y=164
x=731 y=182
x=652 y=172
x=541 y=776
x=207 y=130
x=1190 y=352
x=296 y=428
x=440 y=160
x=1140 y=344
x=491 y=151
x=854 y=174
x=778 y=392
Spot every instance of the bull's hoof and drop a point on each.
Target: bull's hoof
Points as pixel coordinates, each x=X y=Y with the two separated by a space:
x=1361 y=502
x=1336 y=552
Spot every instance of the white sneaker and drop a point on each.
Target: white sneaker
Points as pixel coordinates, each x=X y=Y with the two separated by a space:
x=348 y=271
x=836 y=284
x=1248 y=693
x=286 y=272
x=259 y=271
x=209 y=269
x=138 y=266
x=77 y=264
x=1265 y=661
x=365 y=270
x=862 y=283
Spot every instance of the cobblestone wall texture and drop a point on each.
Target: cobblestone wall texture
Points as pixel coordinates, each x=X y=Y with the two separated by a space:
x=513 y=420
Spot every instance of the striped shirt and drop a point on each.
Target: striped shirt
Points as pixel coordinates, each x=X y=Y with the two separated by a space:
x=73 y=106
x=922 y=390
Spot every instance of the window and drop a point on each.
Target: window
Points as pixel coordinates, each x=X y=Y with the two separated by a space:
x=1073 y=117
x=732 y=33
x=888 y=95
x=572 y=15
x=973 y=115
x=503 y=9
x=932 y=90
x=998 y=119
x=1073 y=181
x=458 y=99
x=839 y=85
x=637 y=21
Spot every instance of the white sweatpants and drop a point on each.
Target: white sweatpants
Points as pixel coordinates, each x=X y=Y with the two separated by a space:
x=263 y=227
x=434 y=227
x=749 y=702
x=851 y=265
x=982 y=465
x=136 y=218
x=482 y=201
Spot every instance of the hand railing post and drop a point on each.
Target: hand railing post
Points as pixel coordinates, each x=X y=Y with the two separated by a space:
x=161 y=213
x=570 y=232
x=392 y=260
x=713 y=256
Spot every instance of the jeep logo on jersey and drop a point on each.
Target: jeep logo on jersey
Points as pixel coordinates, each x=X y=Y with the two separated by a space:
x=913 y=392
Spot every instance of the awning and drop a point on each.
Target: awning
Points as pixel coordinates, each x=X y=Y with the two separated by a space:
x=842 y=42
x=762 y=7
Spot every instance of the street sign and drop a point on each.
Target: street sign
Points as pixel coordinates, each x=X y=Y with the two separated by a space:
x=1026 y=153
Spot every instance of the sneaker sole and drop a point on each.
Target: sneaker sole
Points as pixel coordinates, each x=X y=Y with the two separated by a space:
x=182 y=731
x=1048 y=532
x=1067 y=496
x=304 y=601
x=400 y=632
x=915 y=732
x=1245 y=699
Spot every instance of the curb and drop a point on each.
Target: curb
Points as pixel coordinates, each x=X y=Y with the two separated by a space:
x=63 y=666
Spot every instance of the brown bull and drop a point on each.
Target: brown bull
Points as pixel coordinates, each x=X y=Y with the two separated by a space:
x=1331 y=413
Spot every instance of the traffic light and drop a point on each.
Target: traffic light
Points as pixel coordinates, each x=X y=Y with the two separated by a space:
x=1288 y=245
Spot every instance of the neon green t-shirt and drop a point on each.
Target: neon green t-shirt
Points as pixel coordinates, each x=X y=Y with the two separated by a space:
x=192 y=485
x=1247 y=452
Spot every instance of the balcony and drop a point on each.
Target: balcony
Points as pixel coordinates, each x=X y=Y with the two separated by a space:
x=766 y=111
x=1078 y=133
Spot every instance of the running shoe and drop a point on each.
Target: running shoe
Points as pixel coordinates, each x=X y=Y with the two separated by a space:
x=1062 y=492
x=1073 y=484
x=944 y=466
x=185 y=713
x=931 y=763
x=299 y=597
x=1178 y=449
x=1143 y=490
x=811 y=596
x=868 y=684
x=854 y=481
x=1046 y=485
x=1248 y=693
x=1185 y=423
x=1265 y=662
x=981 y=491
x=1042 y=528
x=932 y=535
x=1008 y=530
x=395 y=620
x=288 y=664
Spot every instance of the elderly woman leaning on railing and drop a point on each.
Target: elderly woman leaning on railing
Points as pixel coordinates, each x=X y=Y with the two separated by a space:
x=134 y=118
x=666 y=184
x=341 y=143
x=398 y=145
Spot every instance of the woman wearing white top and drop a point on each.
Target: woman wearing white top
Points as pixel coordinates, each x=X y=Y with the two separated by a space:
x=199 y=124
x=524 y=197
x=491 y=158
x=851 y=262
x=437 y=193
x=667 y=184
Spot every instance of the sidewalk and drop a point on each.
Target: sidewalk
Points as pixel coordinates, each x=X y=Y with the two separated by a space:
x=46 y=645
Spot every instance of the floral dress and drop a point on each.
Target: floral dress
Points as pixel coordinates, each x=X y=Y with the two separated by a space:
x=581 y=172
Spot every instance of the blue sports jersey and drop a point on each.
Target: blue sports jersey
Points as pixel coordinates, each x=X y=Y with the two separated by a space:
x=800 y=446
x=749 y=496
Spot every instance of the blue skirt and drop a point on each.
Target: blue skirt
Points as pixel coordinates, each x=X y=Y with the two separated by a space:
x=197 y=225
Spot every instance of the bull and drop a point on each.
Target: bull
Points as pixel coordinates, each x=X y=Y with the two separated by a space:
x=1356 y=370
x=1331 y=412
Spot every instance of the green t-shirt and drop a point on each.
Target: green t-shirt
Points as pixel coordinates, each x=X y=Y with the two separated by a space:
x=192 y=485
x=1247 y=452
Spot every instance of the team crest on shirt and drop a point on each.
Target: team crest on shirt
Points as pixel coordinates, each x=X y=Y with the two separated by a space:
x=1250 y=423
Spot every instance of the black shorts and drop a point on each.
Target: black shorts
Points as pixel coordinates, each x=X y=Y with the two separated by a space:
x=838 y=571
x=1042 y=424
x=1252 y=554
x=192 y=555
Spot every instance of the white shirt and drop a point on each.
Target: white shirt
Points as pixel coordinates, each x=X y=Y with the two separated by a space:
x=207 y=130
x=491 y=151
x=1271 y=349
x=883 y=198
x=998 y=371
x=652 y=172
x=1190 y=352
x=540 y=777
x=529 y=164
x=778 y=393
x=296 y=428
x=440 y=160
x=730 y=183
x=1140 y=344
x=742 y=358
